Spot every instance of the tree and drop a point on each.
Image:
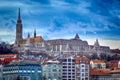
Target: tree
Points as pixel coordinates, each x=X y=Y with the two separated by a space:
x=94 y=56
x=6 y=48
x=103 y=56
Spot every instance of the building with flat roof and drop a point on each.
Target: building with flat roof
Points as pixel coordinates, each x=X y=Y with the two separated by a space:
x=68 y=69
x=102 y=74
x=52 y=70
x=23 y=70
x=115 y=74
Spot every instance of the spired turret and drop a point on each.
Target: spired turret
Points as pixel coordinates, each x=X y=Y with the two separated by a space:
x=96 y=44
x=77 y=36
x=35 y=33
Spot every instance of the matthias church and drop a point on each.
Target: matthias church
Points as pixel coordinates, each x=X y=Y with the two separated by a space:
x=56 y=47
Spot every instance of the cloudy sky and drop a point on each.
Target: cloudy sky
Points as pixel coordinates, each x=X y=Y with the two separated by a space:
x=91 y=19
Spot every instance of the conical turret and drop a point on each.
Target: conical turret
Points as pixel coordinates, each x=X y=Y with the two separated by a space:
x=96 y=44
x=77 y=36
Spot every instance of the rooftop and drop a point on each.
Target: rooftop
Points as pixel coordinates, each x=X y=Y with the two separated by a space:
x=22 y=63
x=103 y=72
x=98 y=61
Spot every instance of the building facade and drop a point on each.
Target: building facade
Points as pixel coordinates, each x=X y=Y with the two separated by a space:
x=99 y=74
x=115 y=74
x=98 y=64
x=68 y=69
x=52 y=70
x=76 y=45
x=58 y=46
x=1 y=67
x=23 y=70
x=82 y=67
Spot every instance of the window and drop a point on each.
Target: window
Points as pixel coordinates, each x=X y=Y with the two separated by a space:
x=82 y=65
x=59 y=70
x=86 y=69
x=64 y=60
x=64 y=66
x=82 y=74
x=73 y=60
x=54 y=70
x=49 y=70
x=82 y=78
x=82 y=70
x=54 y=65
x=69 y=60
x=69 y=63
x=86 y=74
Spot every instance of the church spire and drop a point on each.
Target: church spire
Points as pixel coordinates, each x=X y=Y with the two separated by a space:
x=19 y=14
x=96 y=43
x=35 y=33
x=28 y=35
x=19 y=17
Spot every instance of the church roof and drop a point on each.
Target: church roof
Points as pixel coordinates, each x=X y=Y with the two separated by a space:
x=33 y=40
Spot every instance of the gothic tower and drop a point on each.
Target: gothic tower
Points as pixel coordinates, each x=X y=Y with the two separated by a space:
x=19 y=29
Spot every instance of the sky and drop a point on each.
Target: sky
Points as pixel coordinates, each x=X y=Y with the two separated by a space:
x=56 y=19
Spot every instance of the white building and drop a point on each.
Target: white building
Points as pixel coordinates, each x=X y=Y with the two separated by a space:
x=82 y=67
x=68 y=69
x=98 y=64
x=118 y=64
x=52 y=70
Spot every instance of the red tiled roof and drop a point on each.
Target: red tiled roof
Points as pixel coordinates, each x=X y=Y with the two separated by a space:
x=115 y=51
x=98 y=61
x=94 y=72
x=112 y=64
x=36 y=39
x=115 y=71
x=79 y=58
x=7 y=55
x=6 y=58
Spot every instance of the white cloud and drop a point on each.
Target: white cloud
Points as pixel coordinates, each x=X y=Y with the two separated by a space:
x=10 y=3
